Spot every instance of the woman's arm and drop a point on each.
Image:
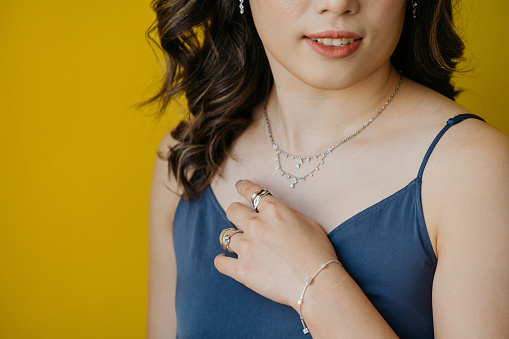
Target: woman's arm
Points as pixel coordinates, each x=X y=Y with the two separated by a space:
x=471 y=197
x=161 y=317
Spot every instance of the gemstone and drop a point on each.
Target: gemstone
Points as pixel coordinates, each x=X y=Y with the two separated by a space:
x=308 y=281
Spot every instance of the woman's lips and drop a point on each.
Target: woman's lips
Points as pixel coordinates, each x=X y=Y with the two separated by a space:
x=329 y=49
x=334 y=44
x=334 y=35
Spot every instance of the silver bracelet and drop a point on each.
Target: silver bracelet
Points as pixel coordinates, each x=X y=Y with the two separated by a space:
x=301 y=299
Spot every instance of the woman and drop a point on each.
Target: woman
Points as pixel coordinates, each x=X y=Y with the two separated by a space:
x=344 y=111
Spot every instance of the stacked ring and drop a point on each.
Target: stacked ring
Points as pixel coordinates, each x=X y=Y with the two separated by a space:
x=225 y=236
x=257 y=197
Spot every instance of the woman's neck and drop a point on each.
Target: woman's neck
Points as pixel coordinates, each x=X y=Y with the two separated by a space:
x=304 y=119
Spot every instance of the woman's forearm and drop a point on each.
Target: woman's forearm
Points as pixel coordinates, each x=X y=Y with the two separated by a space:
x=334 y=306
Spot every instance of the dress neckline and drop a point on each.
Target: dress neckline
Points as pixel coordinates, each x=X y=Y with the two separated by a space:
x=413 y=184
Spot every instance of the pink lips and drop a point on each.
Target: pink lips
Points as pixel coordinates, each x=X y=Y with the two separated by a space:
x=331 y=51
x=334 y=35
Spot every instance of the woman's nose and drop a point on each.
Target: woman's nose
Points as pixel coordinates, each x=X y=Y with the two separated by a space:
x=337 y=7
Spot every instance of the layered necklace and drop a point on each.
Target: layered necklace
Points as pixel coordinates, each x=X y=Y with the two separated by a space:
x=319 y=157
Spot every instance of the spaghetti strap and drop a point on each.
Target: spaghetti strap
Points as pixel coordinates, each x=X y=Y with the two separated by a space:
x=451 y=122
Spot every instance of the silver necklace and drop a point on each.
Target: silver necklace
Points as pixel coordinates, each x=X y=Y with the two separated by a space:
x=320 y=157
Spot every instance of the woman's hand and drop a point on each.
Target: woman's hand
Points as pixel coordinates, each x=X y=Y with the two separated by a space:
x=279 y=249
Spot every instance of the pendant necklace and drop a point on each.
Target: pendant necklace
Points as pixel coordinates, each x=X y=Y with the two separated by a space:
x=320 y=157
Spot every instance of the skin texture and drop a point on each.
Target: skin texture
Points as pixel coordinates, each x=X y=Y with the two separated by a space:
x=161 y=320
x=316 y=102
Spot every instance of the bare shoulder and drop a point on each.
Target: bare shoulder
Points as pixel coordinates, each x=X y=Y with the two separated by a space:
x=467 y=143
x=466 y=204
x=164 y=198
x=164 y=195
x=470 y=161
x=163 y=180
x=164 y=192
x=165 y=145
x=471 y=153
x=471 y=171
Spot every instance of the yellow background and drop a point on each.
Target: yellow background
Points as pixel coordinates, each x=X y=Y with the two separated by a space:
x=76 y=158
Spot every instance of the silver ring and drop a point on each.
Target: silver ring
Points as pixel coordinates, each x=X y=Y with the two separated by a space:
x=257 y=197
x=225 y=236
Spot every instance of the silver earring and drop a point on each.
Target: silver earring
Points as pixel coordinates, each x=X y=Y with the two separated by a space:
x=241 y=6
x=414 y=8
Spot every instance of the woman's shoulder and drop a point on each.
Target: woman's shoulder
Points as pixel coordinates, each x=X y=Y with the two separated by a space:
x=165 y=145
x=434 y=110
x=165 y=192
x=465 y=184
x=468 y=135
x=471 y=155
x=162 y=267
x=465 y=198
x=471 y=147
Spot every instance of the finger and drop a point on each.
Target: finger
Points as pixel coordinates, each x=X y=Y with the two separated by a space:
x=235 y=241
x=226 y=265
x=247 y=188
x=239 y=214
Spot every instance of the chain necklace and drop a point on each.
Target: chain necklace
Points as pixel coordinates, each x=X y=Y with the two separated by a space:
x=320 y=157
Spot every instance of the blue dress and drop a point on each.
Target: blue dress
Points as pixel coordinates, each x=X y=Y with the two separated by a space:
x=385 y=249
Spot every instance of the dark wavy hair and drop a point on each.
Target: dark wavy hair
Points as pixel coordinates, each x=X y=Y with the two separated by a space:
x=215 y=57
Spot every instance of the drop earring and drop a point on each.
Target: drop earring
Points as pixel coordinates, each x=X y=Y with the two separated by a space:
x=241 y=6
x=414 y=8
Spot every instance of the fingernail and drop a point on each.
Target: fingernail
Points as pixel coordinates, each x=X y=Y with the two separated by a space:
x=238 y=183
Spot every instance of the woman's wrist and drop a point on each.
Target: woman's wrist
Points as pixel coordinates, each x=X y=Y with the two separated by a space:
x=318 y=289
x=309 y=281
